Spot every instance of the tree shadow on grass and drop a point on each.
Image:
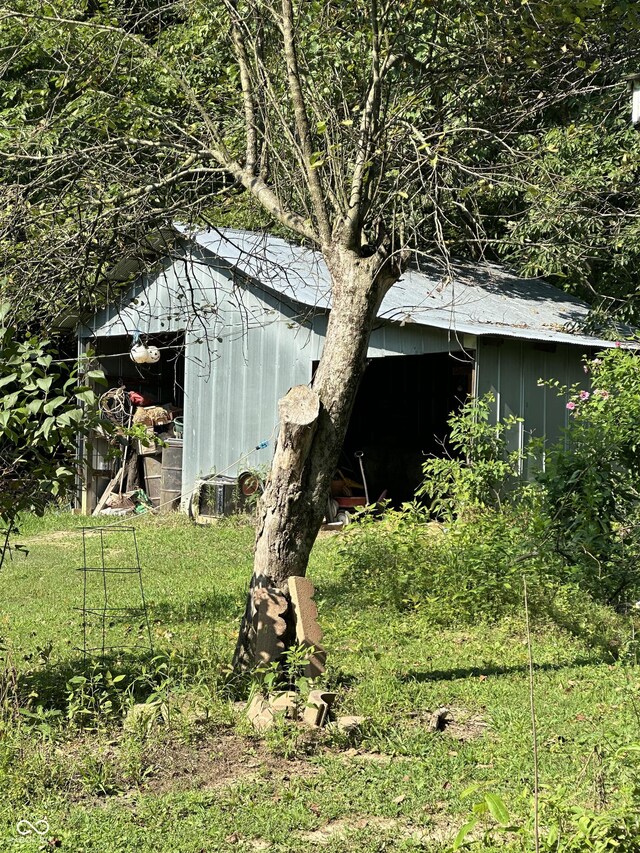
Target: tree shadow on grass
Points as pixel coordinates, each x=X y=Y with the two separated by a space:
x=210 y=607
x=336 y=595
x=139 y=672
x=215 y=605
x=486 y=671
x=48 y=684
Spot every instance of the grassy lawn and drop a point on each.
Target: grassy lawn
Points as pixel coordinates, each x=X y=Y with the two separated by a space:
x=198 y=779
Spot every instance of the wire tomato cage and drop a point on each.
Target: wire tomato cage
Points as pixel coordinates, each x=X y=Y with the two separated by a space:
x=114 y=609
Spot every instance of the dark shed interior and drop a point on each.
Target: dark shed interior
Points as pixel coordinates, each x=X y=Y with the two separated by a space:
x=162 y=382
x=400 y=417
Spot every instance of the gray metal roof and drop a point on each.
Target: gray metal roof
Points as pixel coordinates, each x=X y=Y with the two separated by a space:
x=481 y=299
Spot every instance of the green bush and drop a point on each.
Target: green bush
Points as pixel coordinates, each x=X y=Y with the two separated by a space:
x=477 y=470
x=467 y=571
x=574 y=531
x=591 y=482
x=471 y=571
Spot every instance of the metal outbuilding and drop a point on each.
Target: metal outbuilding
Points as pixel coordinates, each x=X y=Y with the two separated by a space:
x=240 y=317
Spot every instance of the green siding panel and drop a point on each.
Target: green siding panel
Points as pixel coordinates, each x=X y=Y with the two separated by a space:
x=511 y=371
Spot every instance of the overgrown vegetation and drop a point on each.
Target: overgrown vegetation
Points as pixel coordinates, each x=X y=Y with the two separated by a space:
x=591 y=485
x=573 y=528
x=148 y=752
x=45 y=405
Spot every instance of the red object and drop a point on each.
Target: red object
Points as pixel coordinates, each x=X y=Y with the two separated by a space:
x=345 y=503
x=139 y=399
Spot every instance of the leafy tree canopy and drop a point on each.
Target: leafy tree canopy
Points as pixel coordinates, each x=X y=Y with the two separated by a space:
x=498 y=129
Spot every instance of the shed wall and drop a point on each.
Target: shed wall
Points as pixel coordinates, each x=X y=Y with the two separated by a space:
x=232 y=387
x=245 y=347
x=233 y=382
x=510 y=370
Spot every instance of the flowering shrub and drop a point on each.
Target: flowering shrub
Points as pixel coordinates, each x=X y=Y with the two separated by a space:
x=591 y=484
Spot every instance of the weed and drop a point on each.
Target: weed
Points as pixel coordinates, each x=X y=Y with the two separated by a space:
x=97 y=775
x=96 y=698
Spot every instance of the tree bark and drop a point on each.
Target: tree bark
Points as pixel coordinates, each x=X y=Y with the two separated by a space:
x=313 y=424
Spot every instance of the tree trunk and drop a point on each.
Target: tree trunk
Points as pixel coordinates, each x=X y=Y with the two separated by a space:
x=313 y=424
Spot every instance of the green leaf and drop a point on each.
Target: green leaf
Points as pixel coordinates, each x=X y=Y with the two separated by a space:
x=5 y=380
x=53 y=404
x=68 y=417
x=44 y=382
x=47 y=426
x=96 y=376
x=86 y=397
x=497 y=808
x=458 y=841
x=10 y=400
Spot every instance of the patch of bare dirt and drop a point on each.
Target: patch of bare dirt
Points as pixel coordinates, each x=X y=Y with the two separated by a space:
x=217 y=762
x=55 y=537
x=364 y=755
x=439 y=829
x=467 y=728
x=334 y=828
x=457 y=723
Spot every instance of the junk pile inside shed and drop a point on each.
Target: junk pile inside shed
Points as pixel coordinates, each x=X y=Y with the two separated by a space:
x=137 y=459
x=399 y=419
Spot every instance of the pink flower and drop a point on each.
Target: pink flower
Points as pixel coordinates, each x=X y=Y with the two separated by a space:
x=617 y=343
x=584 y=395
x=601 y=392
x=571 y=405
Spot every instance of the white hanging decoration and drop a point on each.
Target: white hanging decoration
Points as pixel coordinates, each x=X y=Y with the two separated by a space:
x=140 y=354
x=153 y=355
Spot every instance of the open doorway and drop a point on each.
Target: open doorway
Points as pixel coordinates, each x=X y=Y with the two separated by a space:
x=161 y=383
x=140 y=461
x=400 y=416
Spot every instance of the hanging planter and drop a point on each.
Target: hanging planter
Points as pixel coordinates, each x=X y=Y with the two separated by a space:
x=139 y=354
x=142 y=354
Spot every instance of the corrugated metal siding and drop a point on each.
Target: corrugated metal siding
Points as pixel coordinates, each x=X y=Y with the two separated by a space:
x=231 y=404
x=393 y=339
x=266 y=347
x=172 y=299
x=510 y=370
